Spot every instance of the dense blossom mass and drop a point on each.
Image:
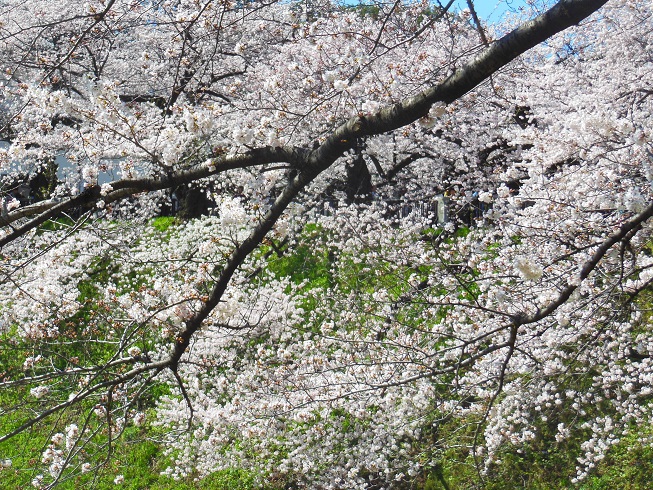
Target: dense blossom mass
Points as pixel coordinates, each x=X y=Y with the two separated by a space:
x=394 y=267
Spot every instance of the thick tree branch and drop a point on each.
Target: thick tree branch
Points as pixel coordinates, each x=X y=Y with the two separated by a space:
x=123 y=188
x=563 y=15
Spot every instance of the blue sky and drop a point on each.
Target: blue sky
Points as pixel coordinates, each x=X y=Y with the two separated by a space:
x=491 y=10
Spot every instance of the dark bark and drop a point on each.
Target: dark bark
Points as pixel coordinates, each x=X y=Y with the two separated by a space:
x=193 y=202
x=359 y=180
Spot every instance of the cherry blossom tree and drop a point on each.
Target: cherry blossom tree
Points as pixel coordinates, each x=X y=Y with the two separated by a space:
x=337 y=349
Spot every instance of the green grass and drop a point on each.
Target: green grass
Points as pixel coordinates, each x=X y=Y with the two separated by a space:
x=627 y=466
x=140 y=463
x=163 y=223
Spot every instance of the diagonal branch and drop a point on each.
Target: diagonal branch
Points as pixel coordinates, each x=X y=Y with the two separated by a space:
x=563 y=15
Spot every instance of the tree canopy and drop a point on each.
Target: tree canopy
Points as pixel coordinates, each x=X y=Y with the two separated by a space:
x=306 y=316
